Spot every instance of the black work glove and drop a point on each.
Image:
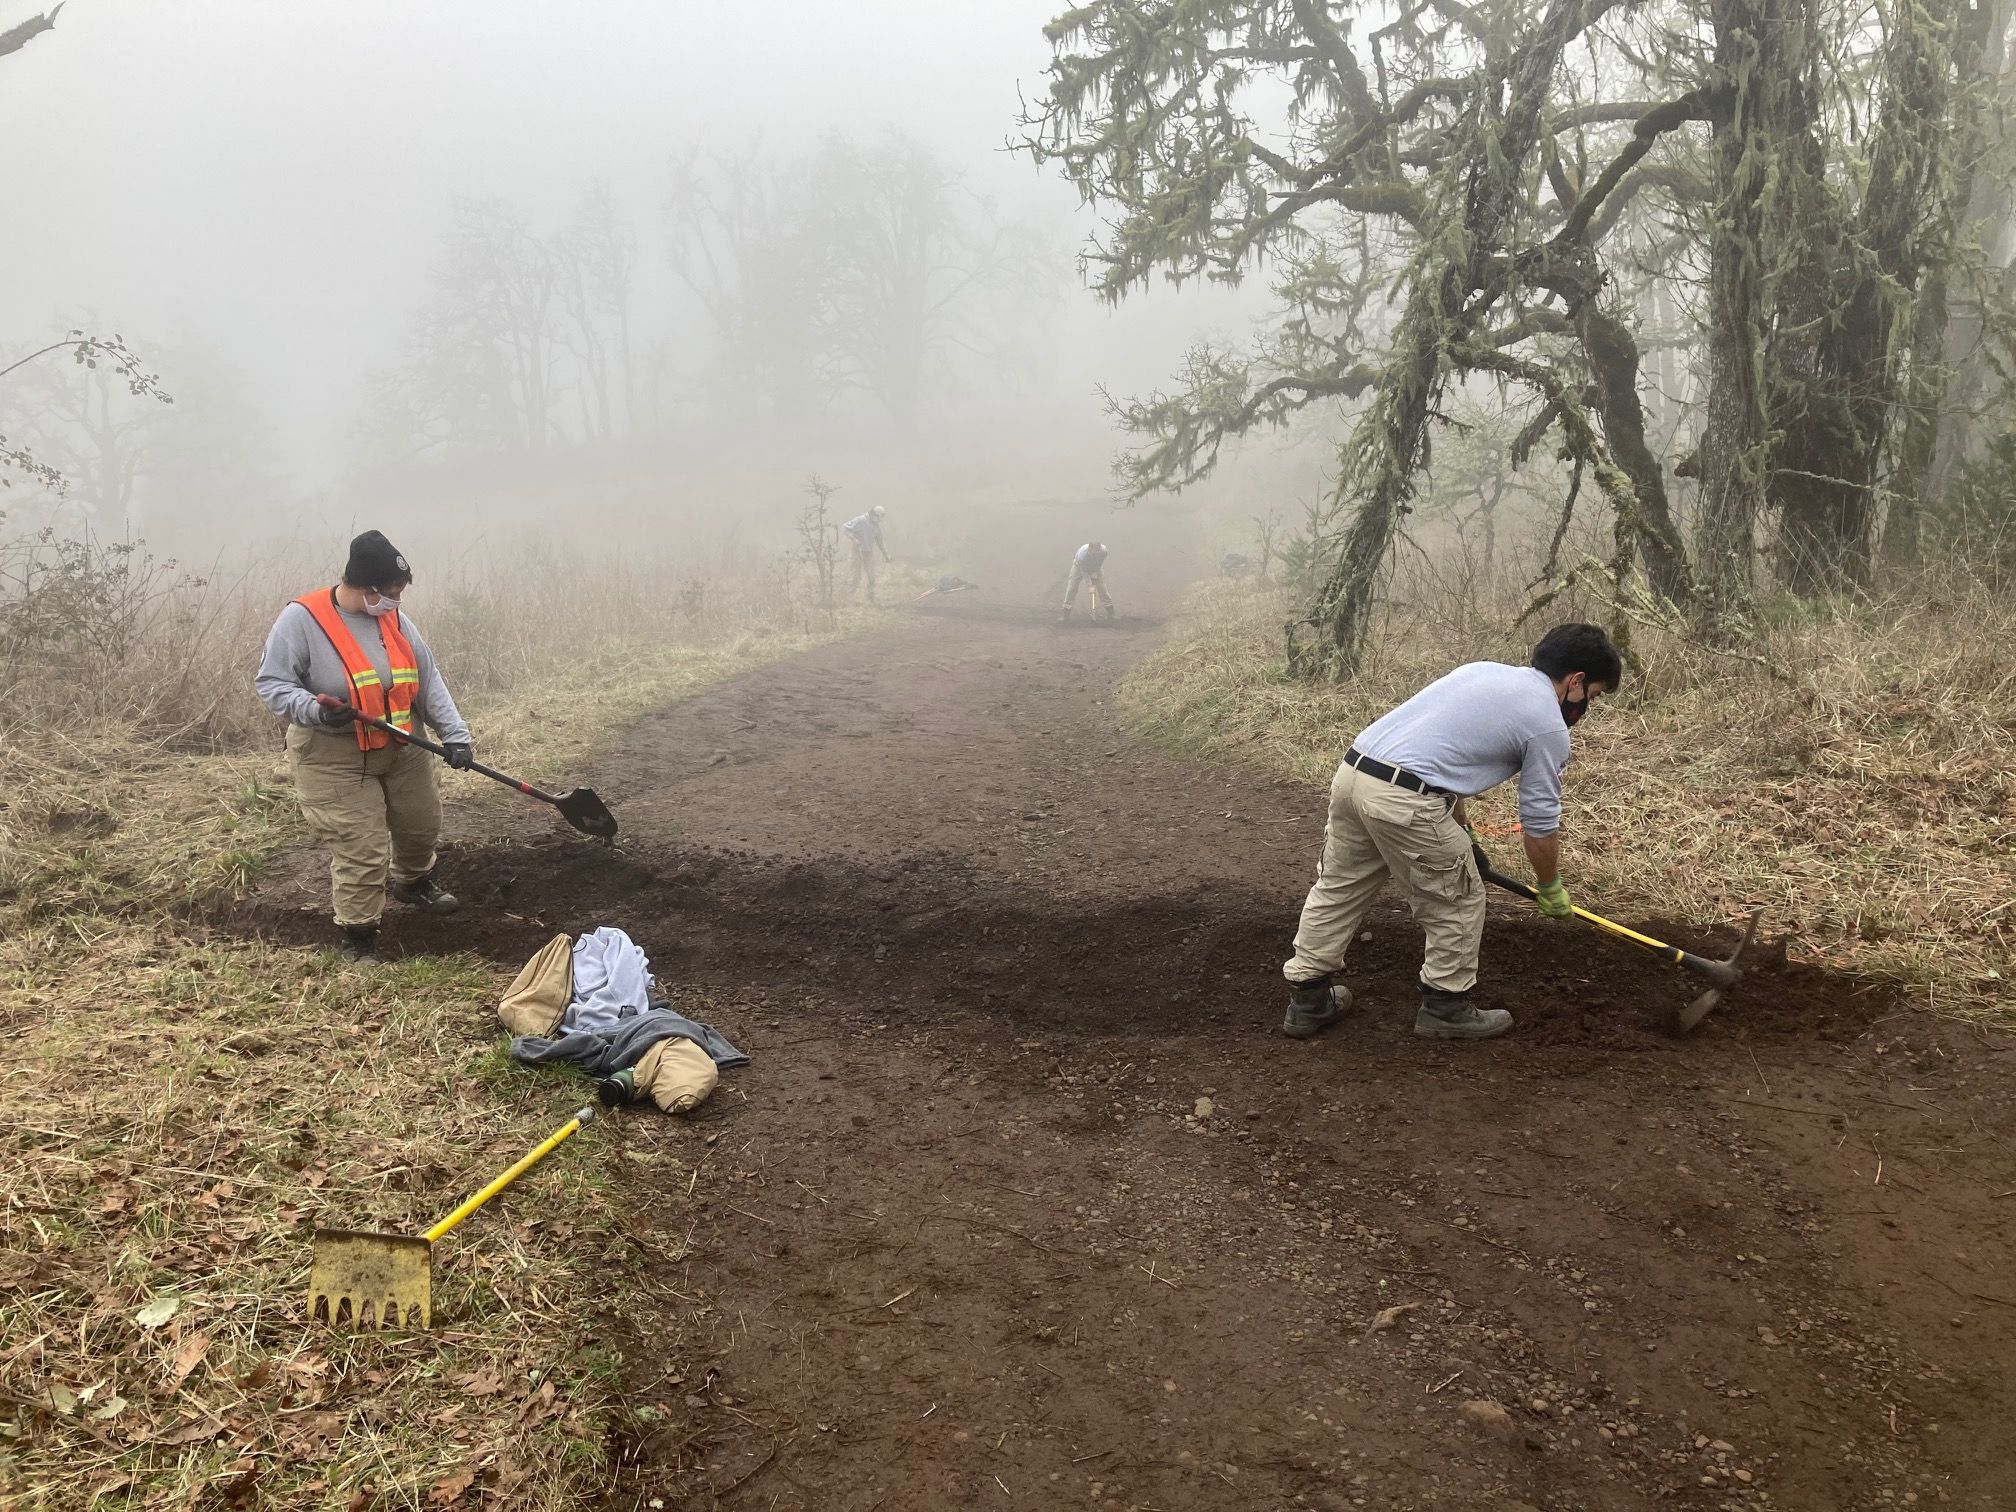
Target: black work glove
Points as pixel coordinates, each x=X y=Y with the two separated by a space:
x=460 y=754
x=333 y=712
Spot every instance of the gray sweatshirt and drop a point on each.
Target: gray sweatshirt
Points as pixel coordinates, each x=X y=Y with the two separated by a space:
x=865 y=530
x=300 y=663
x=1469 y=731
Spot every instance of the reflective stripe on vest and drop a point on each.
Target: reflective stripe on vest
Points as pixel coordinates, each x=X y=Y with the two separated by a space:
x=368 y=694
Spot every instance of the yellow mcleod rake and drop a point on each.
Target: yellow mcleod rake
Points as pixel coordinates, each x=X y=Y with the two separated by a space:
x=365 y=1280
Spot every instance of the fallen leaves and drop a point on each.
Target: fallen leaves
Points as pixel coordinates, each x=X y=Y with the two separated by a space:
x=198 y=1431
x=539 y=1405
x=239 y=1480
x=158 y=1311
x=448 y=1490
x=188 y=1355
x=485 y=1382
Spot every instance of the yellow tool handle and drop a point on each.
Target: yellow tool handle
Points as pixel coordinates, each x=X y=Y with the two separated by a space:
x=1672 y=952
x=546 y=1147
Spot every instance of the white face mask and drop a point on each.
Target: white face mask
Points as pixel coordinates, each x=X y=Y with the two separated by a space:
x=379 y=607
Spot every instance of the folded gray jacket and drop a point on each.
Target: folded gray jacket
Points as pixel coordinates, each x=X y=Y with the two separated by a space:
x=604 y=1052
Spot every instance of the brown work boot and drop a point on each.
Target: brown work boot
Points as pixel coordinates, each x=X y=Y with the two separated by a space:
x=426 y=893
x=1314 y=1006
x=359 y=942
x=1450 y=1016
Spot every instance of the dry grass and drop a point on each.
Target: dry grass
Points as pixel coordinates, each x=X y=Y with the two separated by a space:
x=1869 y=806
x=185 y=1112
x=188 y=1104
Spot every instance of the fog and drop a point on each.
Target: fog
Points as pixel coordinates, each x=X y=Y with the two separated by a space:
x=256 y=196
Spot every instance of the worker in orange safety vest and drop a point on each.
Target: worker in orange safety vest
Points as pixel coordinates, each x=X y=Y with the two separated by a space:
x=366 y=796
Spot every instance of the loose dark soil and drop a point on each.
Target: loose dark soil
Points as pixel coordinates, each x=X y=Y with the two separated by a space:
x=1026 y=1202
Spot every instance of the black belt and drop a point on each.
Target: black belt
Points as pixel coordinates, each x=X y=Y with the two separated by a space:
x=1400 y=777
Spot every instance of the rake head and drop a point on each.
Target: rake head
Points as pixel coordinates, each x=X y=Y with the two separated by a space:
x=360 y=1280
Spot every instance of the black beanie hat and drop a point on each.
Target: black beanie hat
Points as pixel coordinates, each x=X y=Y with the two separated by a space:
x=376 y=563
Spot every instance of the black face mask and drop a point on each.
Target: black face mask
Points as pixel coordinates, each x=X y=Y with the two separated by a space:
x=1571 y=712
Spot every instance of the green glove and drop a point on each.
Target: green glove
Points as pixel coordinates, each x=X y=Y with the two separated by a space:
x=1553 y=900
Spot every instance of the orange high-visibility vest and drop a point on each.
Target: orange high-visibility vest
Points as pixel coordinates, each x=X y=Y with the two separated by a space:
x=368 y=695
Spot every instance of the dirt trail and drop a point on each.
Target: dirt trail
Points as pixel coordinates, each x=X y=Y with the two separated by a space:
x=969 y=1231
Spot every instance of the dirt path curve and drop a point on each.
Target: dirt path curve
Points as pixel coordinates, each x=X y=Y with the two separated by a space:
x=1025 y=1202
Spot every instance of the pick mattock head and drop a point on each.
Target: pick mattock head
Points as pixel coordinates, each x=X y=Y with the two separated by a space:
x=360 y=1280
x=1724 y=974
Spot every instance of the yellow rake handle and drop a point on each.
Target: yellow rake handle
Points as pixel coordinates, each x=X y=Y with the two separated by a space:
x=1672 y=953
x=546 y=1147
x=1720 y=972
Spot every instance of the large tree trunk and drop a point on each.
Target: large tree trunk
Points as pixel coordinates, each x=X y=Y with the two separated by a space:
x=1390 y=442
x=1757 y=45
x=1830 y=355
x=1924 y=398
x=1613 y=359
x=1853 y=404
x=1827 y=385
x=1987 y=218
x=1977 y=55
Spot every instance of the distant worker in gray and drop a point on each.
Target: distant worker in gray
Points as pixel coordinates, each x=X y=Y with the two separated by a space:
x=1088 y=567
x=864 y=534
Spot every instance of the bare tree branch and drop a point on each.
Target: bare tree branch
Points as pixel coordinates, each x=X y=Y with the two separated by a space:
x=17 y=37
x=1692 y=106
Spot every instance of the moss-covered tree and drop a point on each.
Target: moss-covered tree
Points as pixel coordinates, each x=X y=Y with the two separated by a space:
x=1459 y=194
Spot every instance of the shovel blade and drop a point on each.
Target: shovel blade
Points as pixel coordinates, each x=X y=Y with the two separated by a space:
x=358 y=1280
x=581 y=808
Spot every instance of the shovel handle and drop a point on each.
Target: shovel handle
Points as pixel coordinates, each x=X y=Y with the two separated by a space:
x=545 y=1147
x=407 y=737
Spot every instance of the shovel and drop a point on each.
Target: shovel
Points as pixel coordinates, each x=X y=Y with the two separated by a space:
x=1721 y=975
x=580 y=807
x=387 y=1280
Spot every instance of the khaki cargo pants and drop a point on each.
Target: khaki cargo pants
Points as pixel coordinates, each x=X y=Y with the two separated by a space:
x=1375 y=831
x=864 y=568
x=378 y=812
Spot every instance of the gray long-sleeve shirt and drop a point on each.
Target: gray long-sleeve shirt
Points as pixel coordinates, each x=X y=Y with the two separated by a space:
x=865 y=530
x=1469 y=731
x=300 y=662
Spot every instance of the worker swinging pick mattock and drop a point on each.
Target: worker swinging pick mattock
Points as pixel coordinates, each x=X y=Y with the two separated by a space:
x=864 y=534
x=372 y=800
x=1397 y=808
x=1088 y=566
